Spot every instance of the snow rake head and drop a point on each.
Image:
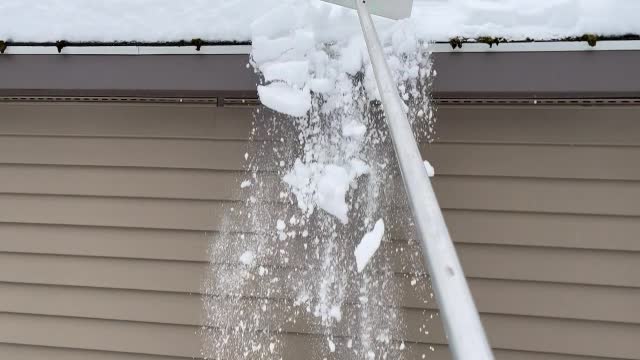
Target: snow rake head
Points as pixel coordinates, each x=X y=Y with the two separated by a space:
x=392 y=9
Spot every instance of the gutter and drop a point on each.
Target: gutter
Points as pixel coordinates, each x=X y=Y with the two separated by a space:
x=212 y=48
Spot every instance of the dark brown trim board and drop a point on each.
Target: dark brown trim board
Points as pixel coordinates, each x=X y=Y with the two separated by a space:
x=601 y=74
x=127 y=75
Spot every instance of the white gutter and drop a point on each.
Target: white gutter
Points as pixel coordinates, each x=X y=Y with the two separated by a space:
x=550 y=46
x=554 y=46
x=130 y=50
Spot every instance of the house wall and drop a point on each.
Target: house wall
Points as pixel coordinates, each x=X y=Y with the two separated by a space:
x=107 y=210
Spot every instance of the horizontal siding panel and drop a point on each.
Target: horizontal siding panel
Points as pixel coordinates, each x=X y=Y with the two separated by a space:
x=441 y=352
x=538 y=355
x=487 y=261
x=506 y=332
x=106 y=242
x=126 y=120
x=94 y=303
x=28 y=352
x=539 y=195
x=141 y=213
x=602 y=125
x=490 y=193
x=193 y=246
x=610 y=340
x=143 y=338
x=568 y=301
x=580 y=125
x=571 y=162
x=574 y=162
x=177 y=276
x=124 y=182
x=479 y=261
x=164 y=153
x=207 y=215
x=611 y=304
x=537 y=229
x=467 y=227
x=554 y=265
x=412 y=351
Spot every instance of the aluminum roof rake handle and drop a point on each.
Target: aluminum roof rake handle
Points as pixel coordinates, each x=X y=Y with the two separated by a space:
x=462 y=324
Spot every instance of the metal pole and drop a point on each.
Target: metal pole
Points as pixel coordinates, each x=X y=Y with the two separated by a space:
x=462 y=324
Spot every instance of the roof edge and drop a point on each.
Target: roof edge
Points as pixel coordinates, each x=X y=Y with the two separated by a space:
x=222 y=48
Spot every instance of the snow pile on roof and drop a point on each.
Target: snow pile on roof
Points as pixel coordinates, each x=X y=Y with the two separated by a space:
x=521 y=19
x=229 y=20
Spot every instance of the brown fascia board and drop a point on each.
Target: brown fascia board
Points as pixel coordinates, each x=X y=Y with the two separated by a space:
x=127 y=75
x=587 y=74
x=581 y=74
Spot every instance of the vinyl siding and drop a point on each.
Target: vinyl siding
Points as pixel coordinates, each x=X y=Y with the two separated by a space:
x=106 y=212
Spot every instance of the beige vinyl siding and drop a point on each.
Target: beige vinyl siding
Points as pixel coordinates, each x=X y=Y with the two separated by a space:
x=106 y=211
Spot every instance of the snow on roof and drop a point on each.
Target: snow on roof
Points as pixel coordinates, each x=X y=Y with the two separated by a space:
x=230 y=20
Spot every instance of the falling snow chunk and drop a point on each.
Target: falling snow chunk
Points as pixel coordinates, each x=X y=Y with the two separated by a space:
x=335 y=313
x=280 y=225
x=369 y=245
x=294 y=73
x=285 y=99
x=332 y=346
x=247 y=258
x=351 y=56
x=245 y=184
x=354 y=129
x=332 y=190
x=430 y=170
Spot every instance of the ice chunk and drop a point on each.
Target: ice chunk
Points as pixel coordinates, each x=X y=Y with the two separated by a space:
x=285 y=99
x=247 y=258
x=369 y=245
x=320 y=86
x=351 y=56
x=332 y=191
x=332 y=346
x=354 y=129
x=430 y=170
